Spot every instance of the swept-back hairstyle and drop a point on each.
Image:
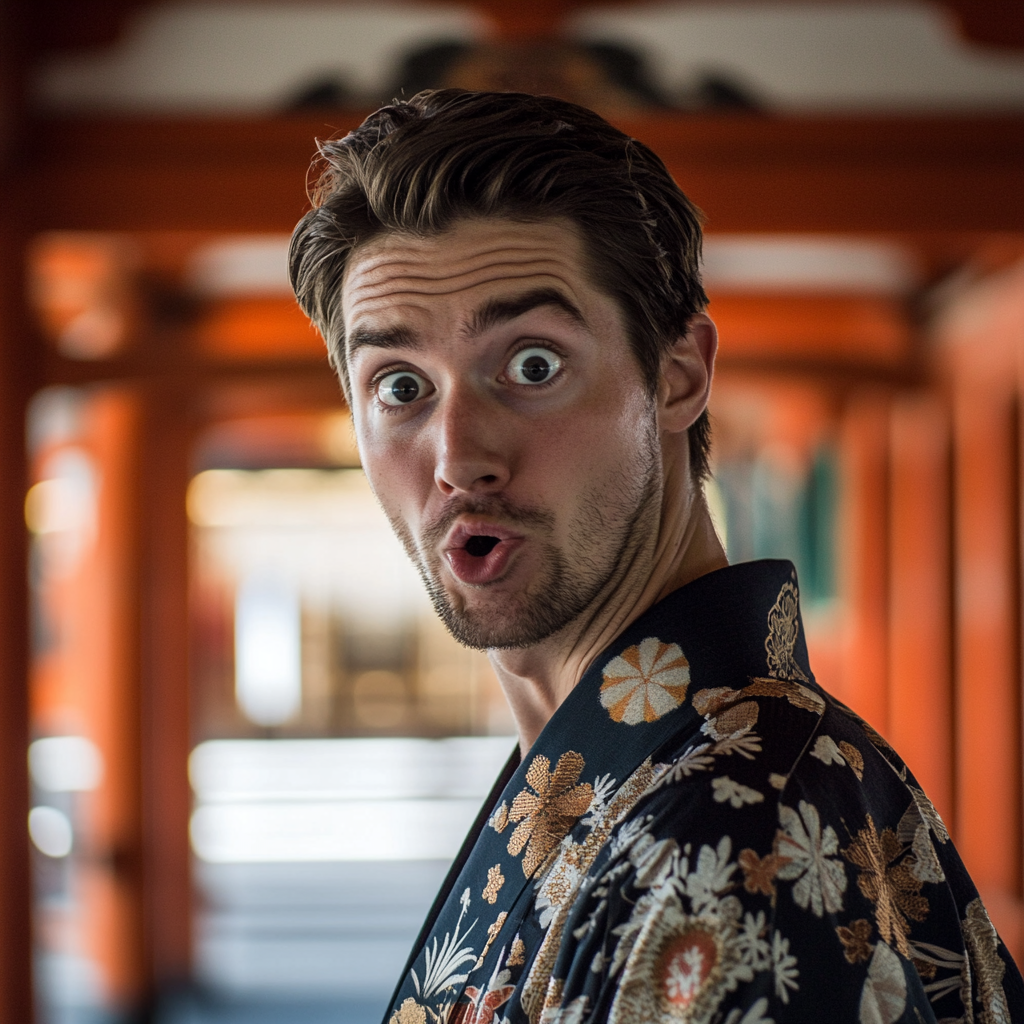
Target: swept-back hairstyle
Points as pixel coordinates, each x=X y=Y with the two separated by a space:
x=420 y=165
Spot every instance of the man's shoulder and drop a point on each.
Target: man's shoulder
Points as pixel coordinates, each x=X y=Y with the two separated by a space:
x=790 y=838
x=773 y=747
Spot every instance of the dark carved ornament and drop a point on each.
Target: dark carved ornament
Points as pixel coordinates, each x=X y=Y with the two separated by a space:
x=82 y=24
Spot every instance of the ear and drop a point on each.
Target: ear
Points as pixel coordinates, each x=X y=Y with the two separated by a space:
x=686 y=370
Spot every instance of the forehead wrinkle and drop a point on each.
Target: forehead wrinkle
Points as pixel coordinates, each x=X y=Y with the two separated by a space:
x=373 y=262
x=382 y=296
x=541 y=266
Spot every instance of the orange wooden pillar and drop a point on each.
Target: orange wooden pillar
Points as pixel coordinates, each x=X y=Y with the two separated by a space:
x=17 y=379
x=863 y=555
x=18 y=376
x=112 y=882
x=983 y=335
x=920 y=720
x=164 y=475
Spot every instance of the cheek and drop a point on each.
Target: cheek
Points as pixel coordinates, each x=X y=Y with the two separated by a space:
x=394 y=472
x=602 y=438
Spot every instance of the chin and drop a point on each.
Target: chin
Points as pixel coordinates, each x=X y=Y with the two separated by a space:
x=502 y=621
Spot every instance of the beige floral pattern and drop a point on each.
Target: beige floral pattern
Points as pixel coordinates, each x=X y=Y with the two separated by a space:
x=545 y=816
x=495 y=880
x=727 y=790
x=783 y=630
x=645 y=682
x=410 y=1012
x=888 y=882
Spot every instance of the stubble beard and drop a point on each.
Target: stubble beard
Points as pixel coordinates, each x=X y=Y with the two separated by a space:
x=607 y=531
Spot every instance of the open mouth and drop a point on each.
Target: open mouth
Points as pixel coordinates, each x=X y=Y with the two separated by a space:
x=481 y=555
x=481 y=546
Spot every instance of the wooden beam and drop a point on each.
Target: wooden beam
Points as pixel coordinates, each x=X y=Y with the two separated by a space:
x=749 y=173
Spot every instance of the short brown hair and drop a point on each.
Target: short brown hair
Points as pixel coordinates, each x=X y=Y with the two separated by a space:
x=422 y=164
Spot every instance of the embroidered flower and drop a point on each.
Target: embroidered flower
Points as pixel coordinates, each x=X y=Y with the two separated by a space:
x=856 y=940
x=546 y=815
x=645 y=682
x=784 y=967
x=828 y=751
x=808 y=849
x=884 y=995
x=759 y=872
x=783 y=630
x=571 y=1013
x=986 y=963
x=680 y=967
x=492 y=933
x=495 y=880
x=517 y=953
x=410 y=1012
x=854 y=758
x=725 y=789
x=483 y=1003
x=890 y=886
x=499 y=819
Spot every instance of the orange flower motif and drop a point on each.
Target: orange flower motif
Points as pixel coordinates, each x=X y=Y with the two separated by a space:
x=645 y=682
x=759 y=872
x=856 y=940
x=545 y=816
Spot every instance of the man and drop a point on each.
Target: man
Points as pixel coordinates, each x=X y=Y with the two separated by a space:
x=509 y=289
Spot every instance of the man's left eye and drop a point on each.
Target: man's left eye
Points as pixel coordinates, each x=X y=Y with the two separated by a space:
x=533 y=365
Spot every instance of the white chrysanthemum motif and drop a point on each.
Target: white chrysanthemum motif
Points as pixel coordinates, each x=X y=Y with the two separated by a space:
x=680 y=967
x=809 y=852
x=645 y=682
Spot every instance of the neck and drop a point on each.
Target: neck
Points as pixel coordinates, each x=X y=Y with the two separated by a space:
x=670 y=552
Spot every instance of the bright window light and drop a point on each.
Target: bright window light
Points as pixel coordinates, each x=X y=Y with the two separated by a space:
x=268 y=651
x=65 y=764
x=51 y=831
x=343 y=831
x=389 y=799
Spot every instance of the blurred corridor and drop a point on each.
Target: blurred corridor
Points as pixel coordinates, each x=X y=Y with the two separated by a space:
x=225 y=696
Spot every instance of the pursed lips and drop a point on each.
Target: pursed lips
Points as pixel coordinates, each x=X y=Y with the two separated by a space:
x=477 y=551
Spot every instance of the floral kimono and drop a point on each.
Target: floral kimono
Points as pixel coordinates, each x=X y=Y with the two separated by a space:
x=702 y=834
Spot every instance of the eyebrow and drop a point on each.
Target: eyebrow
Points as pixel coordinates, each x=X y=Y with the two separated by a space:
x=491 y=314
x=499 y=311
x=386 y=337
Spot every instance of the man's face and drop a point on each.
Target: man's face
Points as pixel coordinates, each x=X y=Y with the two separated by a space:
x=502 y=421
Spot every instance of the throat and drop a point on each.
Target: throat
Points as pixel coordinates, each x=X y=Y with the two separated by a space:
x=480 y=547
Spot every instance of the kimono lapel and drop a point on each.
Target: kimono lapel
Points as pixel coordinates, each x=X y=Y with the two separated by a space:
x=632 y=700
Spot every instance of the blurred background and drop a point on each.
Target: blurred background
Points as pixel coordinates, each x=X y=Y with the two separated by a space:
x=237 y=751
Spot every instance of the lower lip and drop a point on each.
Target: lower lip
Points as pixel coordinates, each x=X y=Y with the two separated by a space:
x=477 y=570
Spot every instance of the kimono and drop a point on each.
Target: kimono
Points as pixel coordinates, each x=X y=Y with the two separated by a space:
x=702 y=834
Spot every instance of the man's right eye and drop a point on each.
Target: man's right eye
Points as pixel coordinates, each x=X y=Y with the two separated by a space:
x=401 y=388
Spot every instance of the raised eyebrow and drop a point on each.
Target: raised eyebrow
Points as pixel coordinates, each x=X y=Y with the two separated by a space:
x=381 y=337
x=499 y=311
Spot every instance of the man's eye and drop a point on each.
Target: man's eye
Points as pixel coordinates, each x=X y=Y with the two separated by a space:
x=533 y=366
x=401 y=388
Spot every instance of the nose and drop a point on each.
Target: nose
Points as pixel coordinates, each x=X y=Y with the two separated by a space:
x=471 y=446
